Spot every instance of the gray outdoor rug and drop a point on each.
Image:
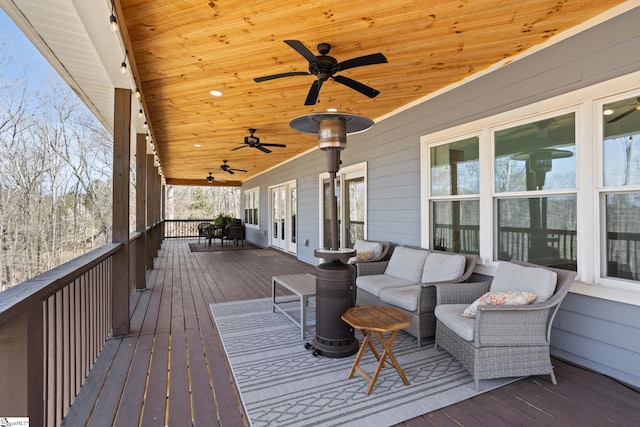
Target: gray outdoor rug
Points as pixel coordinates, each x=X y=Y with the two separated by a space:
x=282 y=384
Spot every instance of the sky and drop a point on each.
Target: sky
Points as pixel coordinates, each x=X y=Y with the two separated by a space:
x=19 y=53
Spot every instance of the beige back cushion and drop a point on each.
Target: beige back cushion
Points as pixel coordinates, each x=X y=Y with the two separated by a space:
x=513 y=277
x=443 y=267
x=407 y=263
x=367 y=251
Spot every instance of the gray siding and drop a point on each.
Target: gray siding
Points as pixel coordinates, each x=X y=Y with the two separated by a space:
x=593 y=332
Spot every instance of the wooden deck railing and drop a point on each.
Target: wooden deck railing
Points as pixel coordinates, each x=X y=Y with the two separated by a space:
x=53 y=327
x=182 y=228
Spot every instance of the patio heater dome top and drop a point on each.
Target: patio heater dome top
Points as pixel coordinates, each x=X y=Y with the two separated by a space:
x=310 y=123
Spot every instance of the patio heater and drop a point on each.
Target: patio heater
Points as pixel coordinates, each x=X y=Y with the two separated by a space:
x=335 y=280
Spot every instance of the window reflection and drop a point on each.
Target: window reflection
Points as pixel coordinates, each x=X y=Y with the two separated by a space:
x=456 y=226
x=540 y=230
x=536 y=156
x=455 y=168
x=621 y=171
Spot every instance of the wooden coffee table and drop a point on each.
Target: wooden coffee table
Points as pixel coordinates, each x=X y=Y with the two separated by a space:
x=377 y=320
x=303 y=287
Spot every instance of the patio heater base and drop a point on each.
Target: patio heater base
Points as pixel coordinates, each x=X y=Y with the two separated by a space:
x=335 y=282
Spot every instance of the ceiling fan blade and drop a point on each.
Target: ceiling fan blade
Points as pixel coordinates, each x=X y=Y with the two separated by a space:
x=263 y=149
x=274 y=145
x=362 y=88
x=277 y=76
x=230 y=171
x=302 y=50
x=625 y=114
x=314 y=91
x=237 y=148
x=374 y=58
x=238 y=170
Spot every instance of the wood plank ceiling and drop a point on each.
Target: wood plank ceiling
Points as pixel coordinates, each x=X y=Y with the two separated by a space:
x=180 y=50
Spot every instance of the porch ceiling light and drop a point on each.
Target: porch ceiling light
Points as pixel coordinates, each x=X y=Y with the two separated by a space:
x=123 y=66
x=113 y=21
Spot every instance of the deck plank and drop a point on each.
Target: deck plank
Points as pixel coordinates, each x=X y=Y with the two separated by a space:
x=198 y=385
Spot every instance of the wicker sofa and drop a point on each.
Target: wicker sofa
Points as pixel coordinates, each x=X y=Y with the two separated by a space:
x=502 y=340
x=407 y=280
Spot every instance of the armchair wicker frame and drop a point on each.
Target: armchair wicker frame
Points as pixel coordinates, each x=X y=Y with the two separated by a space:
x=423 y=321
x=509 y=341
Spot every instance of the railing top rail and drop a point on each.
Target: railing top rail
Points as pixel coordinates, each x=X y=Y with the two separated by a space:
x=15 y=299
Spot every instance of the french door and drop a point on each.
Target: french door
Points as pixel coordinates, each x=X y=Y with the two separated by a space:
x=282 y=216
x=351 y=192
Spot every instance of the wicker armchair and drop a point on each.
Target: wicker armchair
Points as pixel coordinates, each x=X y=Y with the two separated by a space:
x=235 y=231
x=215 y=232
x=505 y=340
x=423 y=321
x=202 y=230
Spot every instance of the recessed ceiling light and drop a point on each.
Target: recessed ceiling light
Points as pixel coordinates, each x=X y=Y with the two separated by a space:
x=197 y=145
x=215 y=93
x=607 y=112
x=332 y=110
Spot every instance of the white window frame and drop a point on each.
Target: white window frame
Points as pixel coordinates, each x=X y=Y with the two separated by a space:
x=587 y=104
x=256 y=205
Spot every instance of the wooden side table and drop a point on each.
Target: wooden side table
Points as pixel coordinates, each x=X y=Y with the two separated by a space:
x=377 y=320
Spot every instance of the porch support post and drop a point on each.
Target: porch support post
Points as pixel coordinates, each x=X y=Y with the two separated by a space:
x=22 y=372
x=141 y=211
x=121 y=158
x=157 y=233
x=149 y=208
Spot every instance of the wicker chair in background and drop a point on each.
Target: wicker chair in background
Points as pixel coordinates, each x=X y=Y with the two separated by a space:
x=202 y=230
x=508 y=340
x=235 y=231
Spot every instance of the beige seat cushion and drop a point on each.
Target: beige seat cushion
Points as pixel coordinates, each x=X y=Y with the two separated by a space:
x=405 y=297
x=374 y=283
x=451 y=316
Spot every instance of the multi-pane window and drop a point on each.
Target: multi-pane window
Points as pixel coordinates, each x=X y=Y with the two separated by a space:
x=454 y=193
x=535 y=189
x=251 y=204
x=558 y=189
x=620 y=194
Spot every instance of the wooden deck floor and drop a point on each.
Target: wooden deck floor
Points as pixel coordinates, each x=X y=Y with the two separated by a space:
x=171 y=369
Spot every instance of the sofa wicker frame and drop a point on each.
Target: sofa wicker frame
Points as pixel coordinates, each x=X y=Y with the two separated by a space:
x=423 y=321
x=509 y=340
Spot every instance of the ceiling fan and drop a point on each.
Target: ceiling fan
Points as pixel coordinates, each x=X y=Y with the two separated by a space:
x=626 y=113
x=211 y=179
x=226 y=168
x=254 y=142
x=325 y=67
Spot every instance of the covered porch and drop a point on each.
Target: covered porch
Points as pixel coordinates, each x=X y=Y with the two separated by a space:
x=171 y=368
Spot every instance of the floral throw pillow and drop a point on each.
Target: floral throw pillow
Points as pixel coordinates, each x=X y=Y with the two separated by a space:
x=500 y=298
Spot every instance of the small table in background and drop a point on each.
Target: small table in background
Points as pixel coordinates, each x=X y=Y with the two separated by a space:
x=303 y=286
x=377 y=320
